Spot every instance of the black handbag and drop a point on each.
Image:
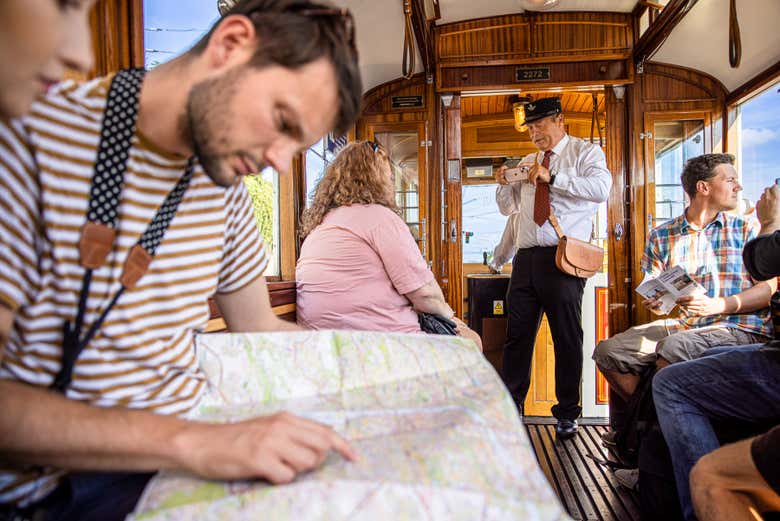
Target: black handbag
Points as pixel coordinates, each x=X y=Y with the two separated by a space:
x=436 y=324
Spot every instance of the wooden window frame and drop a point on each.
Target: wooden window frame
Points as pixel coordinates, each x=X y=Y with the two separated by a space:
x=423 y=210
x=640 y=212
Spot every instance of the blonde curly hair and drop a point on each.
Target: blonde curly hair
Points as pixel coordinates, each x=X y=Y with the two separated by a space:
x=358 y=175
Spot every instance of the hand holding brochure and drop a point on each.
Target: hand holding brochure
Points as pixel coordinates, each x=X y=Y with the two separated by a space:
x=668 y=286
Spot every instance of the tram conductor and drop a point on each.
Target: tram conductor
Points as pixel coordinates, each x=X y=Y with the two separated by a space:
x=569 y=177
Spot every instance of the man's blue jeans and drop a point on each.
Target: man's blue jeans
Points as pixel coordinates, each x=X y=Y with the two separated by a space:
x=86 y=496
x=729 y=383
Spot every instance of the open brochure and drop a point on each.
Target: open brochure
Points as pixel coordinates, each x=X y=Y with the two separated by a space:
x=668 y=286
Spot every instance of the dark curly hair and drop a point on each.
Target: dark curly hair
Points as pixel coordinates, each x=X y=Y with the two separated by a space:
x=702 y=168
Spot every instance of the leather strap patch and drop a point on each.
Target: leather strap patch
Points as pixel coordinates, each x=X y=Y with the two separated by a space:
x=136 y=264
x=95 y=244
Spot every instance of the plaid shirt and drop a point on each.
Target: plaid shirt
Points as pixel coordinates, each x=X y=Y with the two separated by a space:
x=713 y=258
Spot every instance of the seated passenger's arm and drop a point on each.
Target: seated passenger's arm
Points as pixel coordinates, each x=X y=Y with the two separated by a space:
x=466 y=332
x=726 y=485
x=249 y=310
x=505 y=249
x=430 y=299
x=40 y=427
x=653 y=263
x=752 y=299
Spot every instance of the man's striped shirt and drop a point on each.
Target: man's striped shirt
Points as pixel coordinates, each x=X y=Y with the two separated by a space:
x=143 y=356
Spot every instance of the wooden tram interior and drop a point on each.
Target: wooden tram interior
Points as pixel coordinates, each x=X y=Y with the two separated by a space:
x=633 y=75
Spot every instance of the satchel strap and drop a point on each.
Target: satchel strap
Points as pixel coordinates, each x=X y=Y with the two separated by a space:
x=558 y=231
x=554 y=221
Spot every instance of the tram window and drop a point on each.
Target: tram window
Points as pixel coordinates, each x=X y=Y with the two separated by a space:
x=675 y=142
x=318 y=157
x=408 y=200
x=757 y=147
x=170 y=29
x=403 y=152
x=483 y=224
x=264 y=192
x=644 y=22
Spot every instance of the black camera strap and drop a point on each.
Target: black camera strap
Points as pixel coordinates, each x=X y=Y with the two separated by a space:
x=100 y=230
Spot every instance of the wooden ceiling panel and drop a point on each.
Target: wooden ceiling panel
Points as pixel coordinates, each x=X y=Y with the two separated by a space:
x=571 y=102
x=488 y=125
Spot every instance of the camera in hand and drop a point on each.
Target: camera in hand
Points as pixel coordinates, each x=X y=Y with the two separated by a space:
x=519 y=173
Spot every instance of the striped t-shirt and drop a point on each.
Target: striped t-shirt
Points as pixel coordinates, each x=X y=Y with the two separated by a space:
x=143 y=356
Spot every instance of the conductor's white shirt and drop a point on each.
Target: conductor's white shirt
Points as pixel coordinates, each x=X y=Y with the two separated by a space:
x=581 y=183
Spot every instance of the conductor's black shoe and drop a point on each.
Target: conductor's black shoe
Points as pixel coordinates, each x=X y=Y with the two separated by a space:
x=566 y=429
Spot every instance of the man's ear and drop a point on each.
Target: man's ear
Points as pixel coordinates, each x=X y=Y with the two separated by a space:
x=232 y=43
x=702 y=187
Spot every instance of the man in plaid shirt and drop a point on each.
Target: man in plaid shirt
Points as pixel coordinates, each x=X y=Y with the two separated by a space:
x=738 y=385
x=706 y=241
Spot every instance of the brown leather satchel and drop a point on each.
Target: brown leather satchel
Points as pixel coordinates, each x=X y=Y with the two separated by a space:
x=576 y=257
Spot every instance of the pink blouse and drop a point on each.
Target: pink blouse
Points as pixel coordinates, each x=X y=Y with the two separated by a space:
x=354 y=270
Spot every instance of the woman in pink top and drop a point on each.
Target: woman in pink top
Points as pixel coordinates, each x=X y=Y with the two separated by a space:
x=360 y=267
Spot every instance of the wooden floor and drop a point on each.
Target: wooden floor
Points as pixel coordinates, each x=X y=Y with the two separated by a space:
x=587 y=490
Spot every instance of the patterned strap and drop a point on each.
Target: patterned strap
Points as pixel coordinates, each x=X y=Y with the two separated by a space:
x=141 y=254
x=154 y=233
x=99 y=232
x=115 y=140
x=116 y=136
x=119 y=123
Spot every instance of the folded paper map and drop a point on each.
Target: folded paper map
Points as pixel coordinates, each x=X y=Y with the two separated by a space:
x=438 y=435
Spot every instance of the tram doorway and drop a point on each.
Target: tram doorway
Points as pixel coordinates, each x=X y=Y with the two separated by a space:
x=488 y=138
